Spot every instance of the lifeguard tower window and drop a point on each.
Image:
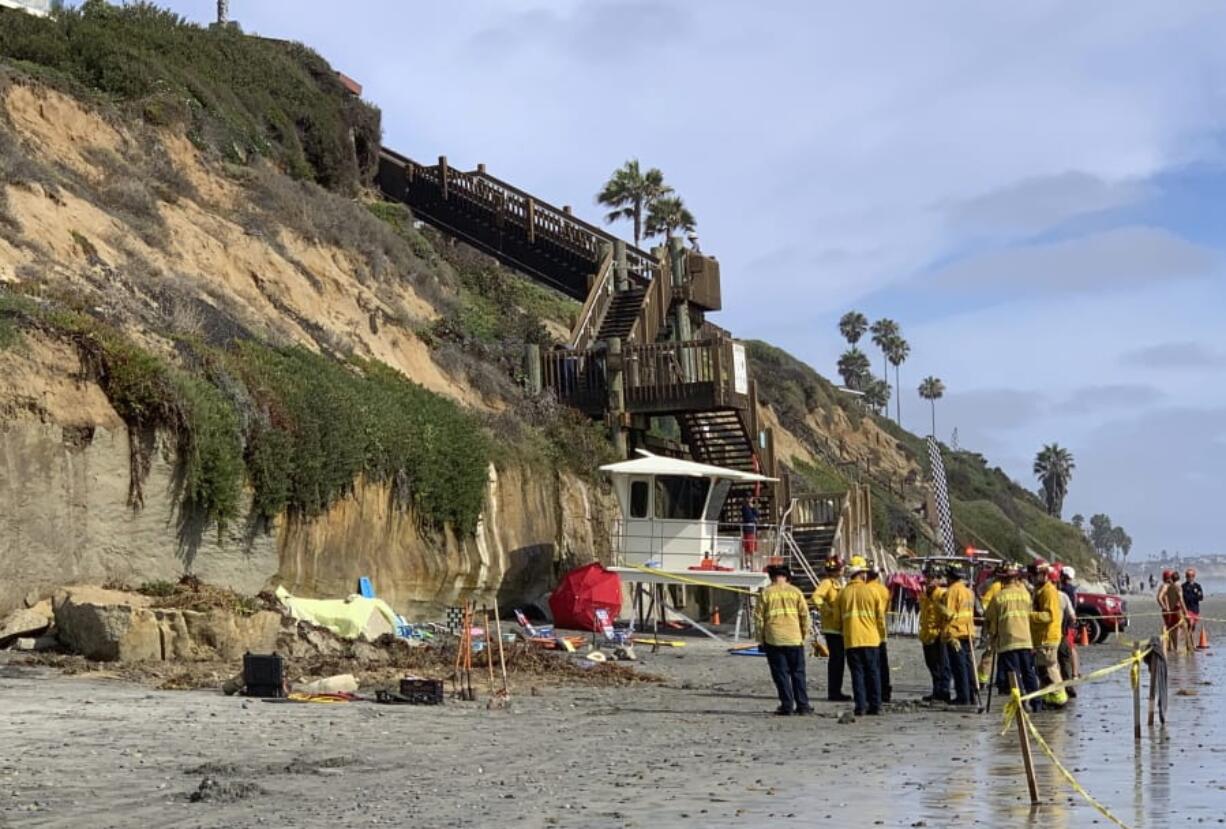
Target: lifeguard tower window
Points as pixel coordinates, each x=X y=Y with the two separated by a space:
x=680 y=497
x=715 y=505
x=639 y=493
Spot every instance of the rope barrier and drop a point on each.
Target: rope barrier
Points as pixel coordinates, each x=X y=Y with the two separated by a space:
x=1015 y=708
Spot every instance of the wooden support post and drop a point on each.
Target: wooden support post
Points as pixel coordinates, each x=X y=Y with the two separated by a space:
x=1024 y=738
x=481 y=169
x=442 y=175
x=1153 y=694
x=532 y=367
x=621 y=281
x=617 y=394
x=1135 y=677
x=531 y=211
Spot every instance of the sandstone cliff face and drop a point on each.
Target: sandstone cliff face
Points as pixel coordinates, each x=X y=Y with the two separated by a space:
x=80 y=224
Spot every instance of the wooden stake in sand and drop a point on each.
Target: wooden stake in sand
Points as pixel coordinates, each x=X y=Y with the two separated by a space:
x=502 y=658
x=1027 y=761
x=489 y=652
x=1135 y=676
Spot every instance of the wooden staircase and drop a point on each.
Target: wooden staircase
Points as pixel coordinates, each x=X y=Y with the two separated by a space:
x=815 y=544
x=622 y=313
x=722 y=438
x=695 y=381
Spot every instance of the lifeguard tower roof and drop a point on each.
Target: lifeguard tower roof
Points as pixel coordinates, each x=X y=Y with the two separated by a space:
x=650 y=464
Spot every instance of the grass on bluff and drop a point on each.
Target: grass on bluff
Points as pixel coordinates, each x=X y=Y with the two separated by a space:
x=239 y=95
x=298 y=426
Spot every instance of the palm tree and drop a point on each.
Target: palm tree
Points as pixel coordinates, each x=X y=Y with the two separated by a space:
x=1079 y=521
x=897 y=352
x=932 y=390
x=884 y=330
x=853 y=368
x=852 y=326
x=668 y=214
x=1053 y=466
x=876 y=392
x=631 y=193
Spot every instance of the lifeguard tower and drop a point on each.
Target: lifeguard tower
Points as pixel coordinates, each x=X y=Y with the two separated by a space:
x=670 y=528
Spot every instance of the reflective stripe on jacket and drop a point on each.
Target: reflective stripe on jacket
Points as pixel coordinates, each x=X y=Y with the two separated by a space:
x=859 y=605
x=782 y=615
x=958 y=612
x=825 y=597
x=883 y=601
x=1046 y=617
x=929 y=616
x=989 y=594
x=1008 y=619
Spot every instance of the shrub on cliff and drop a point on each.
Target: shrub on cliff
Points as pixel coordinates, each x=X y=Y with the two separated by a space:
x=238 y=94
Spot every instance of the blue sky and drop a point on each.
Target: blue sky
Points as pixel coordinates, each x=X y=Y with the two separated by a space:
x=1032 y=191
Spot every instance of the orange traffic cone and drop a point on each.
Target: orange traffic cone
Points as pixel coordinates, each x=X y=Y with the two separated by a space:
x=1203 y=645
x=1084 y=640
x=715 y=616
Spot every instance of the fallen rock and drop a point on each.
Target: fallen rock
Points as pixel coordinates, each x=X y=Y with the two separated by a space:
x=23 y=623
x=107 y=625
x=846 y=718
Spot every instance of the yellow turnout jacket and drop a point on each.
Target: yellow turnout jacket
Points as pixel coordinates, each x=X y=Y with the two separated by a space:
x=883 y=603
x=1046 y=617
x=782 y=615
x=1008 y=619
x=859 y=605
x=957 y=612
x=930 y=617
x=825 y=598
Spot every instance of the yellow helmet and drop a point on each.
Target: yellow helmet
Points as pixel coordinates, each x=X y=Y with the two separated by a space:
x=858 y=562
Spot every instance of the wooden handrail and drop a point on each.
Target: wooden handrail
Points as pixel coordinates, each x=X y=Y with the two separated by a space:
x=517 y=207
x=598 y=300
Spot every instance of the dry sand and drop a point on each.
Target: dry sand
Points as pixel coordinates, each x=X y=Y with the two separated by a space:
x=700 y=750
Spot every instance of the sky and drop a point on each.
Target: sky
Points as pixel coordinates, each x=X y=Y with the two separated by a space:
x=1031 y=190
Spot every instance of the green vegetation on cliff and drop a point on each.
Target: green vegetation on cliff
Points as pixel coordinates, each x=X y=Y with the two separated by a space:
x=297 y=426
x=239 y=95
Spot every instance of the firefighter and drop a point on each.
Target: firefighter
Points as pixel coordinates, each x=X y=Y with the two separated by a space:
x=860 y=608
x=782 y=621
x=930 y=637
x=1008 y=625
x=1046 y=621
x=825 y=599
x=985 y=601
x=957 y=612
x=873 y=580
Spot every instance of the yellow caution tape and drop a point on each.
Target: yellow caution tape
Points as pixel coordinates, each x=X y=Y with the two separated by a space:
x=1132 y=661
x=1068 y=775
x=1015 y=708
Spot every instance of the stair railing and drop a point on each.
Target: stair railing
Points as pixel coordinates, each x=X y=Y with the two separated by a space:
x=598 y=300
x=651 y=316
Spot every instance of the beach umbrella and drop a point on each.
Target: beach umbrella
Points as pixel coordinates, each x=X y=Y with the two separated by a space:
x=582 y=591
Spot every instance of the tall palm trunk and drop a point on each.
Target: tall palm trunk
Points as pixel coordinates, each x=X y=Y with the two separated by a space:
x=898 y=394
x=934 y=417
x=638 y=222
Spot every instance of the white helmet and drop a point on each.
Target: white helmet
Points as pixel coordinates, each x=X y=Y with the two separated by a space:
x=1070 y=572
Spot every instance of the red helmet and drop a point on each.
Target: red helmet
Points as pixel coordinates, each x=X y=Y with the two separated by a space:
x=833 y=564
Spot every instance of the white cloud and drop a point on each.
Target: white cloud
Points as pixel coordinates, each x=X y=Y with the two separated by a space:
x=1119 y=258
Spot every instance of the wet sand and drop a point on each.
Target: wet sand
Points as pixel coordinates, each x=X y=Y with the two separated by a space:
x=700 y=750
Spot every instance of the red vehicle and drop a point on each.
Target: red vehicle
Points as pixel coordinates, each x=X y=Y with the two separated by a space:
x=1101 y=614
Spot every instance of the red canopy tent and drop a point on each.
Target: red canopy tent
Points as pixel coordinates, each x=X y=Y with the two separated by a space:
x=582 y=591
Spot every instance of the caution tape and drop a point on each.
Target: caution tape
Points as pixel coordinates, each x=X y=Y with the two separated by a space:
x=1132 y=661
x=1015 y=708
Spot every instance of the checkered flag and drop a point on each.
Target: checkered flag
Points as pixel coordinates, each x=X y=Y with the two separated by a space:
x=455 y=619
x=940 y=490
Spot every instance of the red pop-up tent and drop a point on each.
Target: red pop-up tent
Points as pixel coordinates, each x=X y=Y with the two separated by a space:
x=582 y=591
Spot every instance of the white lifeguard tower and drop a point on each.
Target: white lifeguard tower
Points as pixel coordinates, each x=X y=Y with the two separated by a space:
x=670 y=530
